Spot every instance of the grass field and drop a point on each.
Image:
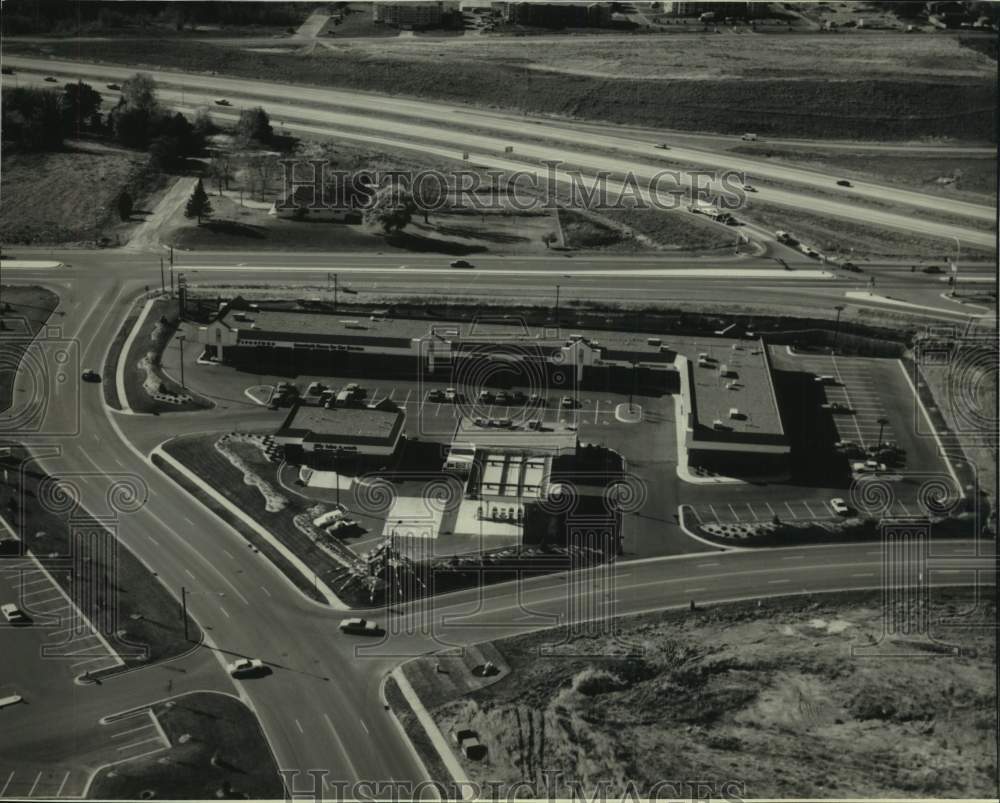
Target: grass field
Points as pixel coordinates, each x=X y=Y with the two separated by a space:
x=67 y=196
x=116 y=587
x=25 y=311
x=217 y=750
x=769 y=698
x=805 y=86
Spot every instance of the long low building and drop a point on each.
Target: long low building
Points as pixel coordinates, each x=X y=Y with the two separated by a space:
x=343 y=344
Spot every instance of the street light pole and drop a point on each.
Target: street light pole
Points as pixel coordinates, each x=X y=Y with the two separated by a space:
x=881 y=426
x=954 y=267
x=184 y=611
x=557 y=306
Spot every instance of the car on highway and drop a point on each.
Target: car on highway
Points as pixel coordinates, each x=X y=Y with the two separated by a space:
x=749 y=137
x=50 y=80
x=462 y=263
x=840 y=507
x=933 y=269
x=361 y=627
x=247 y=667
x=114 y=87
x=851 y=267
x=662 y=146
x=90 y=375
x=13 y=614
x=867 y=467
x=844 y=183
x=749 y=188
x=223 y=102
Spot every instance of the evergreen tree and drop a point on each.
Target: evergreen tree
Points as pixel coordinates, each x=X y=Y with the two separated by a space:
x=198 y=205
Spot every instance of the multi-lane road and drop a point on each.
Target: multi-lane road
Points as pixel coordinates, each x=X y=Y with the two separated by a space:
x=451 y=131
x=321 y=708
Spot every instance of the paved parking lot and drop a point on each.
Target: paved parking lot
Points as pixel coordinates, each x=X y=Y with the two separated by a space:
x=857 y=390
x=45 y=784
x=68 y=634
x=791 y=510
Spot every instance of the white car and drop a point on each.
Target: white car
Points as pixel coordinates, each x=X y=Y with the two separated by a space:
x=868 y=467
x=12 y=613
x=840 y=507
x=246 y=666
x=826 y=379
x=361 y=627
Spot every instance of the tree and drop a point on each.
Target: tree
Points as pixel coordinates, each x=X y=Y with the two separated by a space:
x=165 y=152
x=130 y=126
x=548 y=238
x=139 y=92
x=125 y=204
x=198 y=205
x=391 y=209
x=221 y=169
x=254 y=128
x=32 y=119
x=203 y=124
x=80 y=103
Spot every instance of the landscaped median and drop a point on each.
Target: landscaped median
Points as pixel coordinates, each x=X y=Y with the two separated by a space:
x=754 y=699
x=146 y=332
x=779 y=532
x=216 y=751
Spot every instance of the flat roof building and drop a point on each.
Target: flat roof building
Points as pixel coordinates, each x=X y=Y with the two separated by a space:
x=361 y=430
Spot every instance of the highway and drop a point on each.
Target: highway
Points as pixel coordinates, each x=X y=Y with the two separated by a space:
x=321 y=707
x=437 y=129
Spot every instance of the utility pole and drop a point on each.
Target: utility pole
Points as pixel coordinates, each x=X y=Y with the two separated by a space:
x=335 y=291
x=836 y=330
x=557 y=307
x=162 y=284
x=180 y=346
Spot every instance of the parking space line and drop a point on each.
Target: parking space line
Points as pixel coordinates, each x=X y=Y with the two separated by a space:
x=773 y=514
x=37 y=779
x=717 y=519
x=63 y=784
x=806 y=504
x=792 y=512
x=147 y=726
x=733 y=511
x=753 y=512
x=9 y=779
x=597 y=408
x=136 y=744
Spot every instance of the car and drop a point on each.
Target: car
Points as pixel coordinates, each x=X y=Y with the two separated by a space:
x=341 y=524
x=247 y=667
x=50 y=80
x=844 y=183
x=933 y=269
x=662 y=146
x=450 y=394
x=462 y=263
x=837 y=407
x=436 y=396
x=223 y=102
x=826 y=379
x=867 y=467
x=485 y=397
x=567 y=402
x=749 y=137
x=13 y=614
x=361 y=627
x=114 y=87
x=851 y=267
x=517 y=397
x=502 y=398
x=90 y=375
x=840 y=507
x=538 y=400
x=749 y=188
x=315 y=389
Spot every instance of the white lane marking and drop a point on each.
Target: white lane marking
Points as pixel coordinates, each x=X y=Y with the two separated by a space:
x=340 y=744
x=188 y=573
x=795 y=557
x=363 y=725
x=37 y=779
x=224 y=611
x=147 y=726
x=864 y=574
x=775 y=582
x=136 y=744
x=63 y=784
x=692 y=590
x=704 y=565
x=264 y=589
x=299 y=726
x=9 y=779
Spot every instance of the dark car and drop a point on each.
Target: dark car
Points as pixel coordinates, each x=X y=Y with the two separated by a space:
x=223 y=102
x=844 y=183
x=933 y=269
x=50 y=80
x=115 y=87
x=461 y=263
x=90 y=375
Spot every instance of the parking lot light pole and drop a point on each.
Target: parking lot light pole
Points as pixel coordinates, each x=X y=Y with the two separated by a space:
x=954 y=267
x=881 y=426
x=836 y=330
x=180 y=345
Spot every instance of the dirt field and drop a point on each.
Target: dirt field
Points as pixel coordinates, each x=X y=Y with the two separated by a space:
x=769 y=698
x=69 y=196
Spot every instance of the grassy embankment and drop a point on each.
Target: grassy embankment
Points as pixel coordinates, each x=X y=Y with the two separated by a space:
x=25 y=311
x=770 y=697
x=217 y=750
